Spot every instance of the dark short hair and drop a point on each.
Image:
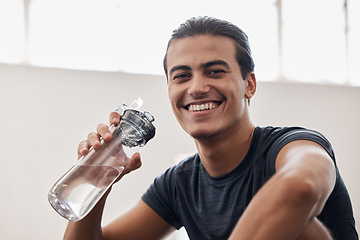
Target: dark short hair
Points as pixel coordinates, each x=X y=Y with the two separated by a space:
x=213 y=26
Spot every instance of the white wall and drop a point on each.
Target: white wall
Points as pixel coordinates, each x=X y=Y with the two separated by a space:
x=45 y=113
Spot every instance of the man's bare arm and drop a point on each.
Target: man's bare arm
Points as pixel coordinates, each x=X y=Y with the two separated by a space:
x=315 y=230
x=89 y=227
x=141 y=222
x=293 y=197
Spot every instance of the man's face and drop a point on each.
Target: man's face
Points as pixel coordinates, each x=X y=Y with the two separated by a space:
x=206 y=89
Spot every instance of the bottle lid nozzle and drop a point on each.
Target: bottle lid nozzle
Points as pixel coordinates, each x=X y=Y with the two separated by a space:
x=136 y=104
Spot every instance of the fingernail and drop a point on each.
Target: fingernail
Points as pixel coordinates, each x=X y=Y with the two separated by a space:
x=84 y=151
x=97 y=144
x=107 y=135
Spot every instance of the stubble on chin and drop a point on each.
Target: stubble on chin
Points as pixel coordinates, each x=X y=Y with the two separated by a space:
x=204 y=135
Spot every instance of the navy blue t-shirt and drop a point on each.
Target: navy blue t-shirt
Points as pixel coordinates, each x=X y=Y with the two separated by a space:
x=209 y=207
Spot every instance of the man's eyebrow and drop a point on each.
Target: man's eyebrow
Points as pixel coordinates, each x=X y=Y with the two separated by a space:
x=215 y=62
x=204 y=65
x=180 y=67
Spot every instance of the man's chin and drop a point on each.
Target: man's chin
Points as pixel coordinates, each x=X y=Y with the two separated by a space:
x=203 y=135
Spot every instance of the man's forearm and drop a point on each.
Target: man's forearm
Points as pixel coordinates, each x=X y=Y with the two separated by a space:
x=315 y=230
x=88 y=228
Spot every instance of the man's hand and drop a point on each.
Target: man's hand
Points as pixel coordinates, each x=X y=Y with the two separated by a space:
x=103 y=132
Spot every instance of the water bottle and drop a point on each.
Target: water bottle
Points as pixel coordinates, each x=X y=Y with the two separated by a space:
x=77 y=192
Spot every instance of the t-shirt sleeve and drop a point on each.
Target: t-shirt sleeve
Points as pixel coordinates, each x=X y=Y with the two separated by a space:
x=161 y=197
x=298 y=134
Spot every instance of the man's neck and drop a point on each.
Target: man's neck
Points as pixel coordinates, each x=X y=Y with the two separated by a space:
x=222 y=154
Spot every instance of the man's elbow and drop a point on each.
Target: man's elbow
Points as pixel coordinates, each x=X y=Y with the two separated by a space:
x=304 y=193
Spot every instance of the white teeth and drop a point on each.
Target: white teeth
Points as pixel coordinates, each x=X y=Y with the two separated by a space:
x=202 y=107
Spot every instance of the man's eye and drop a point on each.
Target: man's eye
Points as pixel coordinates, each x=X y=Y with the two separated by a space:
x=181 y=76
x=217 y=71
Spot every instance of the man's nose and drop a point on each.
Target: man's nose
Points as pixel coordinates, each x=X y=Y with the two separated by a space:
x=198 y=86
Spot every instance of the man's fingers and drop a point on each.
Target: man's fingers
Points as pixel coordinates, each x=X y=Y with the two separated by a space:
x=114 y=118
x=135 y=161
x=83 y=148
x=104 y=132
x=94 y=140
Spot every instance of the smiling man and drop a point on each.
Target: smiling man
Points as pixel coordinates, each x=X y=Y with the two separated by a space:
x=245 y=182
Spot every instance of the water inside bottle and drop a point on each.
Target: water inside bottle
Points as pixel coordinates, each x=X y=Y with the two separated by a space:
x=76 y=194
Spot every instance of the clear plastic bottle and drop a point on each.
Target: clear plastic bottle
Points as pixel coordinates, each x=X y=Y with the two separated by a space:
x=76 y=193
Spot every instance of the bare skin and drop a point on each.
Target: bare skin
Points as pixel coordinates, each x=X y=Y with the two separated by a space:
x=203 y=72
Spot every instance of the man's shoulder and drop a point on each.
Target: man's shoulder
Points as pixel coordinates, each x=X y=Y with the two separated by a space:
x=274 y=138
x=268 y=134
x=271 y=131
x=271 y=137
x=290 y=133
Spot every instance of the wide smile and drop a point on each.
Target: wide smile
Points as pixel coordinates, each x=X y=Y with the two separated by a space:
x=201 y=107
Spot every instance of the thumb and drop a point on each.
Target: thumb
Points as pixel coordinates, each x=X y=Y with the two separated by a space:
x=134 y=163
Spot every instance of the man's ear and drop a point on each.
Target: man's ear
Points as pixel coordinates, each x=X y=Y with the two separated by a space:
x=250 y=85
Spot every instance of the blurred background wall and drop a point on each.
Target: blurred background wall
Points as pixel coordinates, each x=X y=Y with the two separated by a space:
x=46 y=112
